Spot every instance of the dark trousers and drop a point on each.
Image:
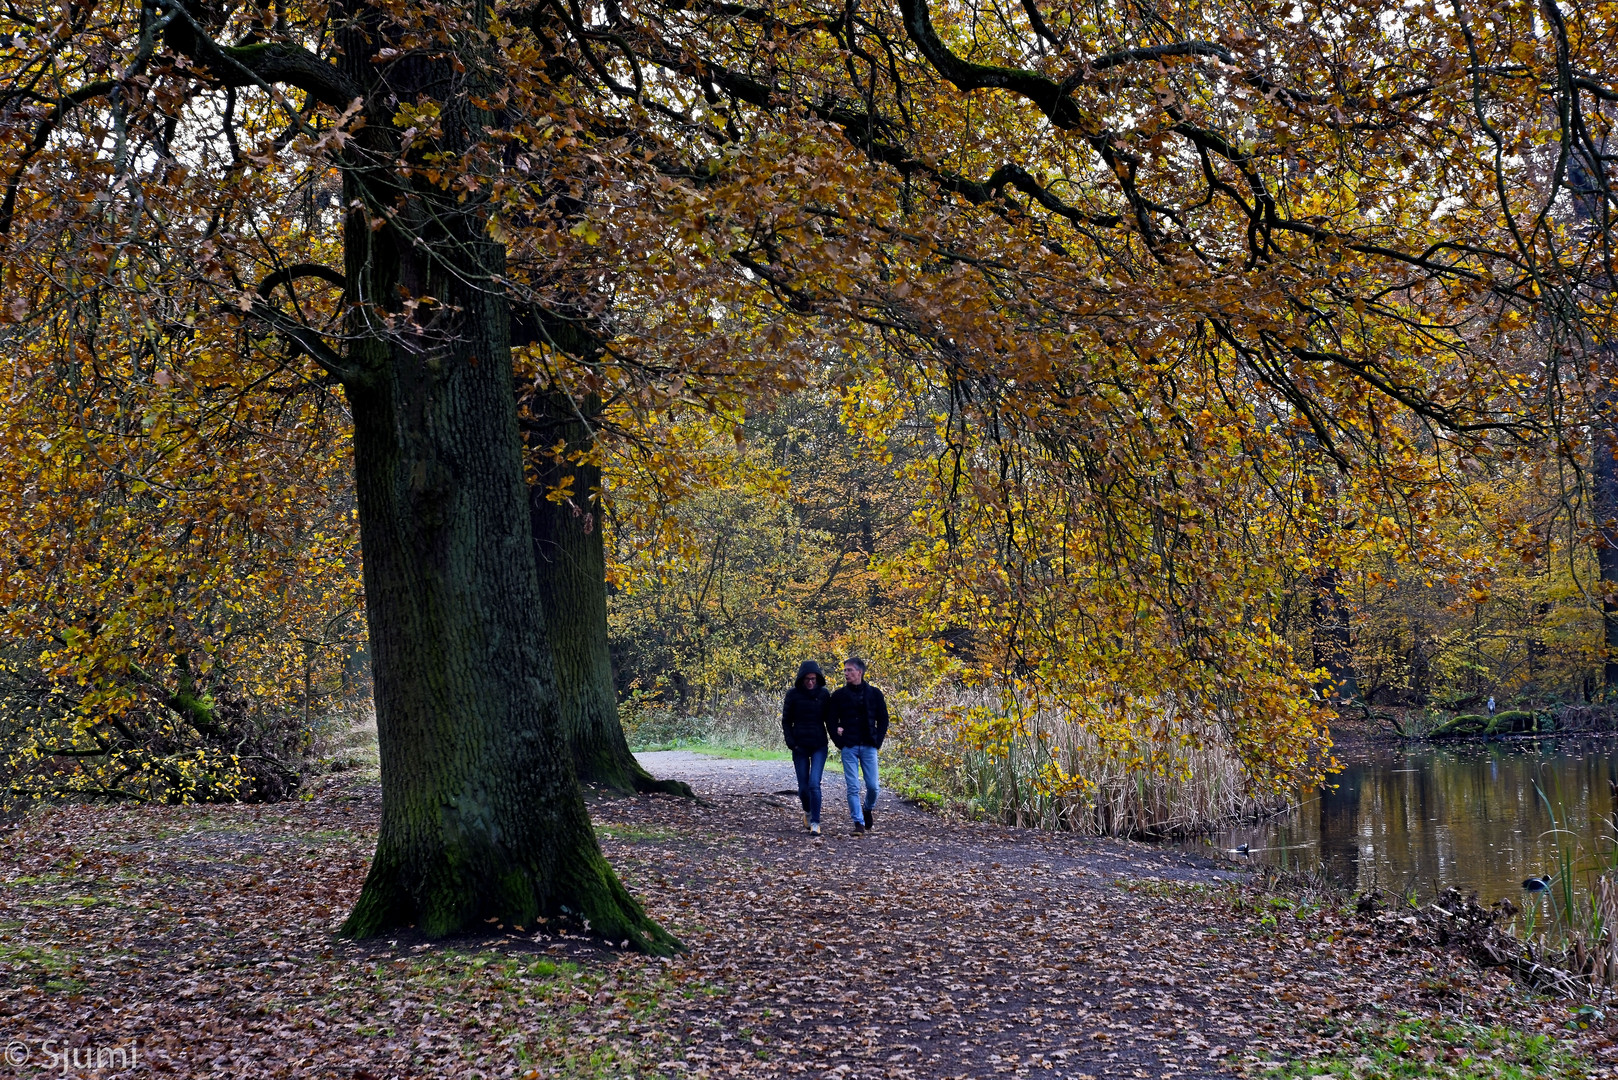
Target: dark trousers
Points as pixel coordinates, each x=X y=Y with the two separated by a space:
x=809 y=768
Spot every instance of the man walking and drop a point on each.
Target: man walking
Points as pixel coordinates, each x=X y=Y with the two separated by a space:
x=859 y=723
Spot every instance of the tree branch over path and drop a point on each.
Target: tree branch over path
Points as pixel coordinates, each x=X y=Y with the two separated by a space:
x=262 y=64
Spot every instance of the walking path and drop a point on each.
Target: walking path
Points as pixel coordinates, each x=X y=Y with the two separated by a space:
x=940 y=949
x=203 y=940
x=732 y=776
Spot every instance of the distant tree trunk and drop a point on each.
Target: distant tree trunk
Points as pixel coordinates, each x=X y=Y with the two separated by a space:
x=873 y=590
x=1418 y=659
x=1587 y=179
x=1329 y=631
x=482 y=817
x=1604 y=510
x=1330 y=635
x=571 y=555
x=1536 y=643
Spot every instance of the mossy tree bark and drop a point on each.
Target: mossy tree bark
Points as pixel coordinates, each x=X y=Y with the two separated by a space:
x=570 y=552
x=482 y=816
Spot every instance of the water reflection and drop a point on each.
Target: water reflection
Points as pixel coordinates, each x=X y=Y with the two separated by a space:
x=1423 y=818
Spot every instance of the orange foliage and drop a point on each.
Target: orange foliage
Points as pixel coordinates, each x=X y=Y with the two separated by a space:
x=1136 y=286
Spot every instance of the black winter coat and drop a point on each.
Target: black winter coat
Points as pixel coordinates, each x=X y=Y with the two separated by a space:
x=804 y=712
x=862 y=714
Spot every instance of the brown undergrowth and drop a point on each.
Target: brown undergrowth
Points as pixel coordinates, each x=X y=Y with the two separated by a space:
x=202 y=937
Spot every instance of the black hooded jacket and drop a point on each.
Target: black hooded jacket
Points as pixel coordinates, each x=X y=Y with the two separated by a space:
x=804 y=713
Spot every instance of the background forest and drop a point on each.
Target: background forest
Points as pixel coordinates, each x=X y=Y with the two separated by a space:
x=1141 y=388
x=739 y=544
x=800 y=549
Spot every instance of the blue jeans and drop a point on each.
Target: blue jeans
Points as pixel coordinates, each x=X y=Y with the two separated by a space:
x=858 y=759
x=809 y=767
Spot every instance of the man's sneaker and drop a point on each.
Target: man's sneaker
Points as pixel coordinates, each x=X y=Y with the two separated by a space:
x=859 y=830
x=868 y=824
x=814 y=828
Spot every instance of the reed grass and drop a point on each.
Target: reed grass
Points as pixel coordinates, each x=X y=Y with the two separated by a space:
x=743 y=720
x=1178 y=778
x=1580 y=933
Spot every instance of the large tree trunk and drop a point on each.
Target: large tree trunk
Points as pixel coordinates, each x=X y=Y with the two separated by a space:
x=572 y=562
x=481 y=814
x=482 y=817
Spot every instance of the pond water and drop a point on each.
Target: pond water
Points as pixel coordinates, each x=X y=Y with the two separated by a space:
x=1424 y=817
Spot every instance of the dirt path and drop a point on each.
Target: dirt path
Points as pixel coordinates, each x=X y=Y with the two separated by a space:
x=932 y=949
x=774 y=784
x=202 y=938
x=732 y=776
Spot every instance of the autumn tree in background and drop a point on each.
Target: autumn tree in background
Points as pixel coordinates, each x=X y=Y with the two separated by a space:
x=1135 y=278
x=776 y=557
x=182 y=601
x=1216 y=295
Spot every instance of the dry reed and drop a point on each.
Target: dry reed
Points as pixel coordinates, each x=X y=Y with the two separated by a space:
x=1049 y=770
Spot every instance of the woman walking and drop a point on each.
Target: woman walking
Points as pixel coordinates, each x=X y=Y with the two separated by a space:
x=803 y=725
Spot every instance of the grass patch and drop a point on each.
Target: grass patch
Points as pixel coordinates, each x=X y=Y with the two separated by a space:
x=67 y=901
x=1425 y=1049
x=48 y=968
x=914 y=780
x=1170 y=890
x=456 y=969
x=38 y=879
x=458 y=979
x=719 y=749
x=749 y=753
x=635 y=833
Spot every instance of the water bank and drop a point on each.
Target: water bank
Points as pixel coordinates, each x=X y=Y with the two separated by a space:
x=1480 y=816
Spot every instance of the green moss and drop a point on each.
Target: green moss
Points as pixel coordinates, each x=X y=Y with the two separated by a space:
x=1513 y=721
x=44 y=966
x=637 y=834
x=1510 y=722
x=1419 y=1049
x=246 y=53
x=1464 y=724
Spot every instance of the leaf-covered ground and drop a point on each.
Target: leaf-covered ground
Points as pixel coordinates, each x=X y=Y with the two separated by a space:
x=201 y=937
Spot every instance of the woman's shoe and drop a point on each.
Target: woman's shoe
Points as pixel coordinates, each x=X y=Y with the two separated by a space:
x=814 y=828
